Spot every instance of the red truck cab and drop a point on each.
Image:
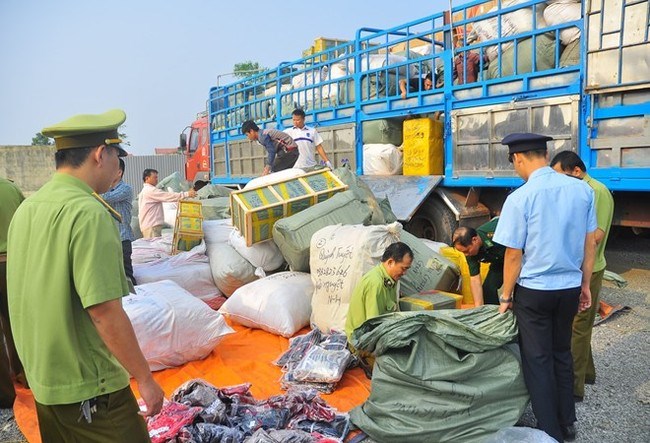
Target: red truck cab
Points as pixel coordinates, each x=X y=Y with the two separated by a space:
x=195 y=145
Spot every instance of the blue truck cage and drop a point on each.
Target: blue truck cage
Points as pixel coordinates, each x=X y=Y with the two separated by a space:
x=498 y=66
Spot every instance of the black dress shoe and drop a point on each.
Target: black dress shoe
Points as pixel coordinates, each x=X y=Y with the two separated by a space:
x=590 y=381
x=578 y=398
x=568 y=432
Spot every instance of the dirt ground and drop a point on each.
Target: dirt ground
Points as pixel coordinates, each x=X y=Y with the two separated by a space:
x=617 y=407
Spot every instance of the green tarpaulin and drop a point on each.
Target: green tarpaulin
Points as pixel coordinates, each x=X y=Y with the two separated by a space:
x=441 y=376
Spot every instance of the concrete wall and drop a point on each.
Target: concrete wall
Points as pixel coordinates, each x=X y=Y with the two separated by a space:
x=28 y=166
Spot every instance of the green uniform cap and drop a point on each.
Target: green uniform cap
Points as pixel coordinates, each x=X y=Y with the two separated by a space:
x=87 y=130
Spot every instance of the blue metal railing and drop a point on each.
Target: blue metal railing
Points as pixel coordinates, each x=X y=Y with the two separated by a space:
x=359 y=80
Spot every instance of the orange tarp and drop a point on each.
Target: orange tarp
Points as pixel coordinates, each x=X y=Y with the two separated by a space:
x=245 y=356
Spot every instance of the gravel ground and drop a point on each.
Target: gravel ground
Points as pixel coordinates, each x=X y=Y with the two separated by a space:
x=617 y=407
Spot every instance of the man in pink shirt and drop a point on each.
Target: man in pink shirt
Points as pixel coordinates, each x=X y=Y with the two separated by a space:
x=150 y=210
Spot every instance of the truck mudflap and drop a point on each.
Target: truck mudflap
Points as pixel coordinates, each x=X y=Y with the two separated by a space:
x=405 y=193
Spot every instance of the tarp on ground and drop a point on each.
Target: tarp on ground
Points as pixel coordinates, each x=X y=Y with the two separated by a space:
x=245 y=356
x=448 y=375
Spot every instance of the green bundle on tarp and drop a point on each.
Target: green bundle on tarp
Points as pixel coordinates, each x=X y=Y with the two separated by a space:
x=216 y=208
x=293 y=234
x=446 y=375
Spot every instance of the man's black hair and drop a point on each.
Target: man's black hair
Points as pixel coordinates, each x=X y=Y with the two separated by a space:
x=249 y=125
x=72 y=157
x=148 y=173
x=463 y=236
x=397 y=251
x=568 y=161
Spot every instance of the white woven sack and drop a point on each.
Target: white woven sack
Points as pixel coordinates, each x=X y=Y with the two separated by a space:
x=274 y=177
x=339 y=256
x=265 y=255
x=169 y=214
x=190 y=270
x=279 y=303
x=513 y=23
x=558 y=13
x=172 y=326
x=382 y=159
x=216 y=232
x=230 y=270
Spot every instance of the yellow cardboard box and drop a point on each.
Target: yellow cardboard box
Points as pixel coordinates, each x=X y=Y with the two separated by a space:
x=429 y=301
x=423 y=147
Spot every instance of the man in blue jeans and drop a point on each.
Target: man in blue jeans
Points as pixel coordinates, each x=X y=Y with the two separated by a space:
x=548 y=228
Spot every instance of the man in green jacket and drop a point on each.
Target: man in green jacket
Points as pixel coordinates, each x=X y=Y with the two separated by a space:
x=478 y=247
x=584 y=371
x=11 y=198
x=66 y=280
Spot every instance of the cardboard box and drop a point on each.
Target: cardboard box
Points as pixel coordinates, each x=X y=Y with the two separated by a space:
x=423 y=147
x=429 y=301
x=255 y=210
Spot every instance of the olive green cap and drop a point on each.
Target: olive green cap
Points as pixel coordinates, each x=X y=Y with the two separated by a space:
x=87 y=130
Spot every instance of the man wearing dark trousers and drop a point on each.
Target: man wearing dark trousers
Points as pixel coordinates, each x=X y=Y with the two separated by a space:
x=584 y=371
x=548 y=228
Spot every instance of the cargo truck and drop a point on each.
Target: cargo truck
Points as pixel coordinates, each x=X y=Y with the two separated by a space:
x=579 y=72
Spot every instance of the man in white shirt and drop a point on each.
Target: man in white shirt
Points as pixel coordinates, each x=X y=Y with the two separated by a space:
x=308 y=140
x=150 y=210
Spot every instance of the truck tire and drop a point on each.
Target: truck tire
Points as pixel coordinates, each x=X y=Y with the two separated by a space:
x=434 y=221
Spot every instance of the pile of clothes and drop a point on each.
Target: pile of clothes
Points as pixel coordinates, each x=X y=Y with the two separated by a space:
x=201 y=413
x=315 y=361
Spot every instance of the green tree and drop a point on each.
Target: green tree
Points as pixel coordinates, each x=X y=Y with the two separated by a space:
x=41 y=140
x=247 y=68
x=123 y=136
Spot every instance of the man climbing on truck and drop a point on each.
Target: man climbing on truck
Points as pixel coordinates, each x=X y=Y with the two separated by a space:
x=282 y=150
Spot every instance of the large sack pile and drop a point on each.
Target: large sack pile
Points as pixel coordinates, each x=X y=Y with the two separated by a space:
x=564 y=11
x=544 y=57
x=448 y=375
x=513 y=23
x=190 y=270
x=172 y=326
x=339 y=256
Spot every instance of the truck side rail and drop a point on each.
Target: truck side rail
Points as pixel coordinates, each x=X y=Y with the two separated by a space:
x=483 y=53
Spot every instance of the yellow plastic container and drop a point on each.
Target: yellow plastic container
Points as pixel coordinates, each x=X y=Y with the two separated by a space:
x=423 y=147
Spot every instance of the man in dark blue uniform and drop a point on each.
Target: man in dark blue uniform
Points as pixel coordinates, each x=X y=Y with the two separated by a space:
x=548 y=228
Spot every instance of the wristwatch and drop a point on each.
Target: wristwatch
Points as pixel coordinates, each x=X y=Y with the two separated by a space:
x=505 y=300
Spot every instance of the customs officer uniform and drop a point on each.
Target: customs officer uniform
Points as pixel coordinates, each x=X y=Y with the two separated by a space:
x=489 y=252
x=547 y=220
x=65 y=256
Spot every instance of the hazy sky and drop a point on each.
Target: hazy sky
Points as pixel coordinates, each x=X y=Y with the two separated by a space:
x=156 y=59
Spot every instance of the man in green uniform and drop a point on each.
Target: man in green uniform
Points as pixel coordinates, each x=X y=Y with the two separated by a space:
x=11 y=197
x=478 y=247
x=584 y=371
x=66 y=280
x=376 y=293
